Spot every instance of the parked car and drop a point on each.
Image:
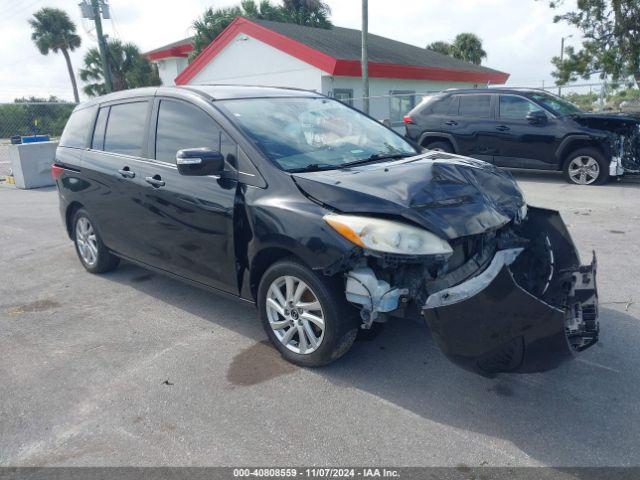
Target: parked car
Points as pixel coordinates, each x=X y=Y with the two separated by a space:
x=527 y=129
x=326 y=220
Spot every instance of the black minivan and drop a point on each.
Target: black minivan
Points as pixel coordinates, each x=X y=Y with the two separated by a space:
x=327 y=220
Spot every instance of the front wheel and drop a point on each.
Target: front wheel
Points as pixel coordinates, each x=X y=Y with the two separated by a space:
x=586 y=166
x=305 y=314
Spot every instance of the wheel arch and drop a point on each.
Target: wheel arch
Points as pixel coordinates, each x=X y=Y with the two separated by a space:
x=263 y=260
x=68 y=216
x=429 y=137
x=576 y=142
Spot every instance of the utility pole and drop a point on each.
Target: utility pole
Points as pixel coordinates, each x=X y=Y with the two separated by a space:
x=95 y=10
x=561 y=59
x=365 y=56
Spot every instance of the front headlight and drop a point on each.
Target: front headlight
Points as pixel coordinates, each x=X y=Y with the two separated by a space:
x=387 y=236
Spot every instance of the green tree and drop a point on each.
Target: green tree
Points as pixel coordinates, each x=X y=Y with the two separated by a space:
x=443 y=48
x=466 y=46
x=611 y=41
x=129 y=69
x=54 y=31
x=27 y=116
x=212 y=22
x=313 y=13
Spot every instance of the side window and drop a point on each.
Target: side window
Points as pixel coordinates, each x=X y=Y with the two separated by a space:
x=516 y=108
x=97 y=141
x=400 y=102
x=125 y=131
x=345 y=95
x=475 y=106
x=78 y=127
x=181 y=125
x=441 y=107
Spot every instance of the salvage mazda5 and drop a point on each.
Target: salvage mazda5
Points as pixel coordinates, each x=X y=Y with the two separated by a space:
x=327 y=220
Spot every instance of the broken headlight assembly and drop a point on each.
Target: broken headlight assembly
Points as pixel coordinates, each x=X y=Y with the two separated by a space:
x=388 y=236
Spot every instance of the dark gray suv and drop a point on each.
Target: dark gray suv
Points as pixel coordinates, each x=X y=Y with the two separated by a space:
x=527 y=129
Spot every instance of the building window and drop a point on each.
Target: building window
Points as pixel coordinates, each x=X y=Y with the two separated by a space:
x=345 y=95
x=400 y=102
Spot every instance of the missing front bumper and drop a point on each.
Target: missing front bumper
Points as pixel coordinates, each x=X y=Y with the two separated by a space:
x=530 y=310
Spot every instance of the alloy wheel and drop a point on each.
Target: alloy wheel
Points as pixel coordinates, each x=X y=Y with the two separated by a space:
x=295 y=315
x=584 y=170
x=87 y=241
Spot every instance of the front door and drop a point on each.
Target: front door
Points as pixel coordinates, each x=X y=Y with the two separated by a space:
x=188 y=226
x=520 y=143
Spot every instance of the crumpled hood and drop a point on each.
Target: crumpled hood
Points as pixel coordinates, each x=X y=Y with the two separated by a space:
x=609 y=122
x=449 y=195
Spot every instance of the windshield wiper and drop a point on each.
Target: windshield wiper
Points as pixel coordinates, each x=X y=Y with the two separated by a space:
x=376 y=157
x=314 y=167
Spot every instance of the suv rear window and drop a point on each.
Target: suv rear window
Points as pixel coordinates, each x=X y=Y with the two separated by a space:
x=126 y=127
x=475 y=105
x=77 y=129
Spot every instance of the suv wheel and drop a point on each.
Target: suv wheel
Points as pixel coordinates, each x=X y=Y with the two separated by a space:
x=305 y=315
x=440 y=146
x=94 y=256
x=586 y=166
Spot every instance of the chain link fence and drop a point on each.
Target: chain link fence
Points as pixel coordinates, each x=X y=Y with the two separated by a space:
x=26 y=119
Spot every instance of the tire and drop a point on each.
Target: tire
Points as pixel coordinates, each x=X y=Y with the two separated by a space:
x=596 y=167
x=93 y=254
x=440 y=146
x=340 y=321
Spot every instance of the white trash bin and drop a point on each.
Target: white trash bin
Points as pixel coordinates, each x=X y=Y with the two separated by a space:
x=31 y=164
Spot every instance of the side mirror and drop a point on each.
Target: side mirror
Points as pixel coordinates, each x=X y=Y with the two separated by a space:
x=199 y=161
x=537 y=117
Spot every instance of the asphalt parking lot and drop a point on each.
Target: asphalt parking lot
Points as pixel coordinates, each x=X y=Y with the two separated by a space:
x=131 y=368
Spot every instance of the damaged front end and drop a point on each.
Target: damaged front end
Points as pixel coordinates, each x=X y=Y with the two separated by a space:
x=451 y=240
x=624 y=134
x=512 y=300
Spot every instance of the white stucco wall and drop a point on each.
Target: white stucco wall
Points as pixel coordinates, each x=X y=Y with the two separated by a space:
x=169 y=68
x=248 y=61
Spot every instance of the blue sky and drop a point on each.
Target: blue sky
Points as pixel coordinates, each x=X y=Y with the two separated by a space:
x=519 y=35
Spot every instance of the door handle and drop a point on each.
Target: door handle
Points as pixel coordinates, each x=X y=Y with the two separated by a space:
x=502 y=128
x=451 y=123
x=126 y=172
x=155 y=181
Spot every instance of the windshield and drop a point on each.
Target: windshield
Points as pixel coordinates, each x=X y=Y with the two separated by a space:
x=557 y=105
x=313 y=133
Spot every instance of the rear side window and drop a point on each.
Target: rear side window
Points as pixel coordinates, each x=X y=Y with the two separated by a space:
x=441 y=107
x=78 y=127
x=475 y=105
x=181 y=125
x=97 y=142
x=125 y=131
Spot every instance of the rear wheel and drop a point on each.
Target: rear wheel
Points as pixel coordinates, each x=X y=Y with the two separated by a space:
x=440 y=146
x=586 y=166
x=305 y=315
x=94 y=256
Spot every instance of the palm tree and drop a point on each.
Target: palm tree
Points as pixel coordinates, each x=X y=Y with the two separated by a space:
x=54 y=31
x=129 y=69
x=313 y=13
x=468 y=47
x=443 y=48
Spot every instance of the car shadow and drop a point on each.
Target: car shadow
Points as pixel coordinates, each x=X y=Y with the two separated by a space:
x=584 y=413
